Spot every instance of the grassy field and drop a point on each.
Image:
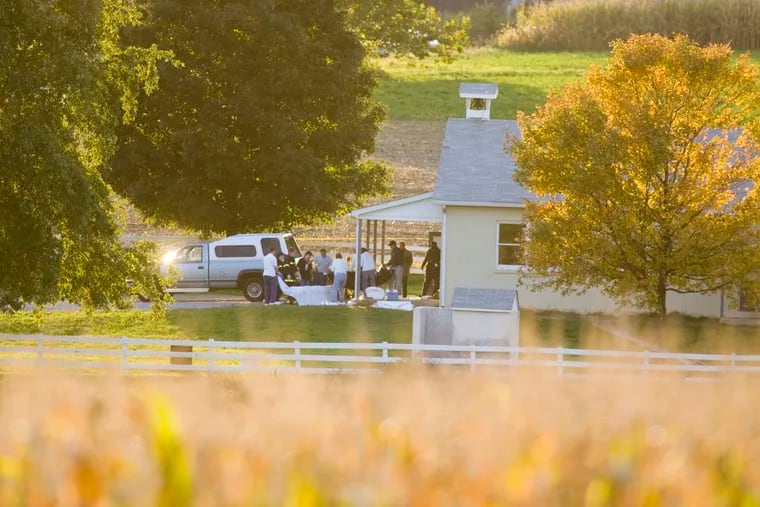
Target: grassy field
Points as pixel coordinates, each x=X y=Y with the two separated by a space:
x=590 y=25
x=429 y=90
x=361 y=324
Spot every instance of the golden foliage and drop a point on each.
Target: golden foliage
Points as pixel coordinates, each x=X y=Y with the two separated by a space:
x=648 y=170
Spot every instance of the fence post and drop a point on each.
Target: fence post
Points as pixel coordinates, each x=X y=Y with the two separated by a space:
x=39 y=350
x=560 y=361
x=646 y=363
x=513 y=356
x=297 y=347
x=124 y=352
x=733 y=361
x=211 y=355
x=473 y=357
x=182 y=349
x=385 y=352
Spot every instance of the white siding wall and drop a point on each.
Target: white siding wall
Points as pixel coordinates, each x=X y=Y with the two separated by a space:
x=471 y=235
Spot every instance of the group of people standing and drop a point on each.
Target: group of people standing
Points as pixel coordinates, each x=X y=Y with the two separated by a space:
x=401 y=263
x=308 y=270
x=316 y=270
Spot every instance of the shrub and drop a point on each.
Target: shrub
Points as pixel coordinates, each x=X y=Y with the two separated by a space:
x=486 y=19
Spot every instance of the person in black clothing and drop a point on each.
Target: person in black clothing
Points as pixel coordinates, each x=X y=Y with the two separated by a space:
x=286 y=265
x=397 y=267
x=432 y=266
x=408 y=261
x=305 y=268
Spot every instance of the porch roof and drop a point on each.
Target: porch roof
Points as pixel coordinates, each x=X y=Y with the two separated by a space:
x=417 y=208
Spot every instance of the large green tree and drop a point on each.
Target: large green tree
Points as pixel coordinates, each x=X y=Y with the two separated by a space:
x=647 y=171
x=405 y=27
x=265 y=123
x=65 y=82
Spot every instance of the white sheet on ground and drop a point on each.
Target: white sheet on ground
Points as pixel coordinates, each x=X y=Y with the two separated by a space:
x=394 y=305
x=375 y=292
x=309 y=295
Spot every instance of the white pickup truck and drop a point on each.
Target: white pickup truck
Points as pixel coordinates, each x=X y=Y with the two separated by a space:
x=233 y=262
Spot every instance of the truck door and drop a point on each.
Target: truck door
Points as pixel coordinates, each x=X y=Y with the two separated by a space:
x=192 y=262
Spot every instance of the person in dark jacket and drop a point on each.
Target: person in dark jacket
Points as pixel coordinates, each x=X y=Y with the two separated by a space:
x=408 y=261
x=396 y=264
x=432 y=267
x=286 y=265
x=305 y=268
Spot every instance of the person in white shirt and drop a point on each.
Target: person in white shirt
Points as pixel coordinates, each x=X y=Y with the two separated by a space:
x=368 y=269
x=340 y=273
x=270 y=277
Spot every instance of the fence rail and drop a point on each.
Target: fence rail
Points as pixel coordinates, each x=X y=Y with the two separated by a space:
x=142 y=354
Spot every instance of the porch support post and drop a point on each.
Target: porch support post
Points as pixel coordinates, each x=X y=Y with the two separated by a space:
x=444 y=267
x=382 y=244
x=374 y=238
x=357 y=258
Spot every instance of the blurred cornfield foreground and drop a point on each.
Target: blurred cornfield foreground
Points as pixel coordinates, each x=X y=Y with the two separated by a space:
x=409 y=437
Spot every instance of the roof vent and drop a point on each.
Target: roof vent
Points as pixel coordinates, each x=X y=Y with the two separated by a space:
x=478 y=97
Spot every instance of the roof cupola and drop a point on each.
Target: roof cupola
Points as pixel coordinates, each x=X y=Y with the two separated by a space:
x=478 y=97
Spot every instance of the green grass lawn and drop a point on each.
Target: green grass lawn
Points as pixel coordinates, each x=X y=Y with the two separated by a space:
x=291 y=322
x=253 y=322
x=361 y=324
x=81 y=323
x=429 y=90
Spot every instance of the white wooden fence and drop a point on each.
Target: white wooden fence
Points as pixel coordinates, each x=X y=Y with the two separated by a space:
x=24 y=352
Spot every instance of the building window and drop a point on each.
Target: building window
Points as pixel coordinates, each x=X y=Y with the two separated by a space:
x=509 y=247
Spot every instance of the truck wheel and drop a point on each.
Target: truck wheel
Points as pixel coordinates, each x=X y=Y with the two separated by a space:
x=253 y=289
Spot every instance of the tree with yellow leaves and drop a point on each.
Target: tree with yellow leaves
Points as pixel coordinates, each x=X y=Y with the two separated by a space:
x=647 y=174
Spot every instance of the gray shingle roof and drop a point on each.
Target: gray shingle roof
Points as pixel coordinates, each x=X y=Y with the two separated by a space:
x=483 y=90
x=484 y=299
x=474 y=166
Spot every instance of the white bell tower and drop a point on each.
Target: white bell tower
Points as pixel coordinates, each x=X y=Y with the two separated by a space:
x=478 y=97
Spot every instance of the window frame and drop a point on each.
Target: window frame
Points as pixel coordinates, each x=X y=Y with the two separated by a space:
x=223 y=251
x=499 y=244
x=182 y=256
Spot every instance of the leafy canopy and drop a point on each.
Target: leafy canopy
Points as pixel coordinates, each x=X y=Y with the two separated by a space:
x=647 y=172
x=404 y=27
x=65 y=83
x=263 y=125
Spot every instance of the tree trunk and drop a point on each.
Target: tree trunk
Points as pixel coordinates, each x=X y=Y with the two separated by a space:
x=662 y=308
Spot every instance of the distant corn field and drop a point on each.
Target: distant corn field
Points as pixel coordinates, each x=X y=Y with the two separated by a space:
x=589 y=25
